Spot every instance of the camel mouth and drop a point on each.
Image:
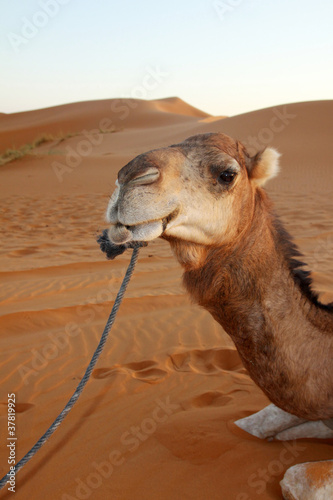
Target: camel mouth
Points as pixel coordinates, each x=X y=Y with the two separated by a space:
x=170 y=218
x=120 y=234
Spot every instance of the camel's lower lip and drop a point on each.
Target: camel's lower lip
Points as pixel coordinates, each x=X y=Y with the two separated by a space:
x=145 y=231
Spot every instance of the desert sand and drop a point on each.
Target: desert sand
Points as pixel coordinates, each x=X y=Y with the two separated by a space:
x=156 y=420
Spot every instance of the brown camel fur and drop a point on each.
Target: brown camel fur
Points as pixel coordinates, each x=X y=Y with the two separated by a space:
x=204 y=196
x=260 y=295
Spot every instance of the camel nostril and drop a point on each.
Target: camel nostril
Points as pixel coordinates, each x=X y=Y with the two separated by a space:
x=146 y=177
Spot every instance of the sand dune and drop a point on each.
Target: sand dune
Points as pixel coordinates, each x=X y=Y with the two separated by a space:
x=17 y=129
x=156 y=420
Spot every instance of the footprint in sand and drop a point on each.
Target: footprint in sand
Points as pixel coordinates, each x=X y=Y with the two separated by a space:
x=209 y=361
x=19 y=408
x=211 y=399
x=22 y=407
x=145 y=371
x=23 y=252
x=101 y=373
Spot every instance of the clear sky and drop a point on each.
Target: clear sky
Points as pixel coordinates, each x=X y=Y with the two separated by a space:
x=225 y=57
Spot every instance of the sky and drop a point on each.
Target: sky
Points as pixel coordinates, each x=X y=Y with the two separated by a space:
x=225 y=57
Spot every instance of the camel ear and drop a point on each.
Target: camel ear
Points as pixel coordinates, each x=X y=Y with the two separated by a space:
x=263 y=166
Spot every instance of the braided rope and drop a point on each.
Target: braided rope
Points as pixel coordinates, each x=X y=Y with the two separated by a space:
x=87 y=374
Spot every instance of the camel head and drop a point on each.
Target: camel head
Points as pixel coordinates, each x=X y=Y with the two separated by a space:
x=200 y=191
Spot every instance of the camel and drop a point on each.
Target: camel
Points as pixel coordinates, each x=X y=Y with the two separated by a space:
x=205 y=197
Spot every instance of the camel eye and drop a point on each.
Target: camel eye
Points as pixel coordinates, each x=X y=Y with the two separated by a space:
x=226 y=177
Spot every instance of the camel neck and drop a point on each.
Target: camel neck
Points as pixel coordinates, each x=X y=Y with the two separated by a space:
x=256 y=290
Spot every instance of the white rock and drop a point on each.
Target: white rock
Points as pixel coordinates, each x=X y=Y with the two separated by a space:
x=309 y=481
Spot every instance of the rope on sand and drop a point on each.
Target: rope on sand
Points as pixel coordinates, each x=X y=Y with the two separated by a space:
x=87 y=374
